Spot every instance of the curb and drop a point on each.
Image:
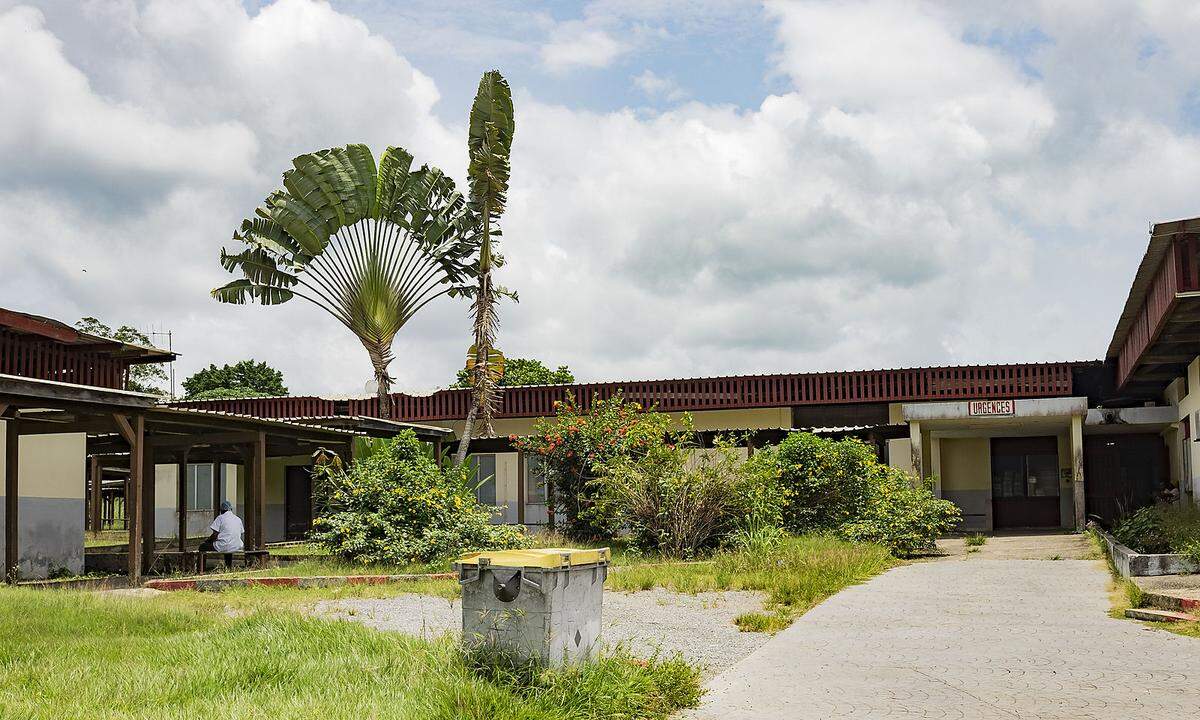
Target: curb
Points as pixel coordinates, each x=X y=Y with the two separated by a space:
x=1158 y=615
x=1171 y=603
x=316 y=581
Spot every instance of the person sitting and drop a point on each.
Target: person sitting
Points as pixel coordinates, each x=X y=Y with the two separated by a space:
x=227 y=532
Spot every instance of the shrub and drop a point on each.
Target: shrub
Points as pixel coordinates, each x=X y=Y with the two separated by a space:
x=901 y=516
x=827 y=481
x=1162 y=528
x=678 y=499
x=839 y=486
x=574 y=445
x=397 y=506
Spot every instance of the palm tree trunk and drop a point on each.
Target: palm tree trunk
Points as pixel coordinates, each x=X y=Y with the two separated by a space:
x=483 y=350
x=468 y=430
x=383 y=381
x=478 y=389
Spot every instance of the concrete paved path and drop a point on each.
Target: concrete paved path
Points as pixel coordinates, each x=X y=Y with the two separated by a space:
x=976 y=639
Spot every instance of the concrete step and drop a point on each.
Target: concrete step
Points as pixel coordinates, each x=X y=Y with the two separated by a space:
x=1169 y=599
x=1150 y=615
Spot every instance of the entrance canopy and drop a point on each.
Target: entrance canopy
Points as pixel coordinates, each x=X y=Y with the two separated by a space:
x=120 y=421
x=1005 y=462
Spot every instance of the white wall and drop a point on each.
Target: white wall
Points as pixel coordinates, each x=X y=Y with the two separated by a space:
x=51 y=480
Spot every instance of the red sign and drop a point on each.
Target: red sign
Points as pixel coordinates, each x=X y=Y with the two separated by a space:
x=992 y=408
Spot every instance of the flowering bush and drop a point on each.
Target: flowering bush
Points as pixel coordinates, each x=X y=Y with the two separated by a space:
x=575 y=446
x=396 y=506
x=679 y=500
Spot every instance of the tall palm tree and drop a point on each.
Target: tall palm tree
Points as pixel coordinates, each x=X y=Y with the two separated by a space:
x=369 y=245
x=489 y=143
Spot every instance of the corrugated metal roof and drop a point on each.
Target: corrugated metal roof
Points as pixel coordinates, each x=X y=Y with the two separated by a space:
x=198 y=412
x=1160 y=243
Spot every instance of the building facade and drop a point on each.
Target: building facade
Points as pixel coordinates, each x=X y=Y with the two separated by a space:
x=1019 y=445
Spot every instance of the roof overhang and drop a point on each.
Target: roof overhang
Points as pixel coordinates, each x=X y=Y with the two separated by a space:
x=1158 y=332
x=60 y=332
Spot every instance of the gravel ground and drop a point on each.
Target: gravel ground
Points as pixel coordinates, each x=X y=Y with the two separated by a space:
x=699 y=626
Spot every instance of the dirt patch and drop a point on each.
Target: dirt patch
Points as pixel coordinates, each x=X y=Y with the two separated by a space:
x=699 y=627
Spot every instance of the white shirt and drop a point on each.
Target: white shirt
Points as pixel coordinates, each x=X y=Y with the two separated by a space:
x=229 y=529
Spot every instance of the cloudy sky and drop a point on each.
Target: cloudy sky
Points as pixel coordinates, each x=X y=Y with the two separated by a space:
x=698 y=187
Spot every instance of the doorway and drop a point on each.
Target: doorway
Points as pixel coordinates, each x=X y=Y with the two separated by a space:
x=298 y=513
x=1122 y=473
x=1025 y=482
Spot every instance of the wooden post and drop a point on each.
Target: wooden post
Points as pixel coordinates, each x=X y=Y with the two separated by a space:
x=135 y=435
x=181 y=501
x=260 y=490
x=97 y=474
x=12 y=445
x=146 y=511
x=522 y=493
x=437 y=452
x=249 y=486
x=218 y=475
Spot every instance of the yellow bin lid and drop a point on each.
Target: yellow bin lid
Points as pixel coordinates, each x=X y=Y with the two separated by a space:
x=539 y=557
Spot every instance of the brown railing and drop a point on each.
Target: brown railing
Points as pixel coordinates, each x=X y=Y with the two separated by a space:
x=724 y=393
x=1179 y=272
x=49 y=360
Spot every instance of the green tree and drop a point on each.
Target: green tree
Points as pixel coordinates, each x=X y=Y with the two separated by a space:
x=370 y=245
x=523 y=371
x=489 y=144
x=143 y=377
x=242 y=379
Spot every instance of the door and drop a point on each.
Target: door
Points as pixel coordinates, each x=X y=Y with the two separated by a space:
x=298 y=502
x=1025 y=482
x=1122 y=473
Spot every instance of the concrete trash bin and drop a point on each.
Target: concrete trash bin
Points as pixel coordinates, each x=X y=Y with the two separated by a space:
x=541 y=605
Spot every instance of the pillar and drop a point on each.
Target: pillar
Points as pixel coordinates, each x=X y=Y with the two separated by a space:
x=146 y=511
x=914 y=439
x=12 y=444
x=935 y=463
x=181 y=503
x=1078 y=495
x=96 y=497
x=135 y=435
x=260 y=490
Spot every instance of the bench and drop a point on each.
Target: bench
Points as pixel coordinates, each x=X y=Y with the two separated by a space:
x=249 y=558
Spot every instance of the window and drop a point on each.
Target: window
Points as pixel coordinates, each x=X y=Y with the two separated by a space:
x=485 y=478
x=535 y=480
x=1024 y=467
x=200 y=487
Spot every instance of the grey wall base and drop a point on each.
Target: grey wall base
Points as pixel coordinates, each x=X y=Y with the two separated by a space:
x=976 y=506
x=1134 y=564
x=49 y=535
x=554 y=619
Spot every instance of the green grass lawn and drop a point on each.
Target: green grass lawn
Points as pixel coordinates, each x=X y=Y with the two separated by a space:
x=73 y=655
x=796 y=575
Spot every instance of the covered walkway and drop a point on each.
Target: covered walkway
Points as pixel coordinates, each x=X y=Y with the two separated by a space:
x=117 y=421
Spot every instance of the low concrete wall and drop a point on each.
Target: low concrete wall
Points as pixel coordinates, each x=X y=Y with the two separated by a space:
x=1134 y=564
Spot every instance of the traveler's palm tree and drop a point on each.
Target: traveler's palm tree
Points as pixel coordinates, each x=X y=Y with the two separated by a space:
x=370 y=245
x=489 y=143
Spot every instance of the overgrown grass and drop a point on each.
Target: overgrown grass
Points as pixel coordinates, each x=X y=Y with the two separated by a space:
x=975 y=540
x=71 y=655
x=1123 y=592
x=762 y=622
x=796 y=575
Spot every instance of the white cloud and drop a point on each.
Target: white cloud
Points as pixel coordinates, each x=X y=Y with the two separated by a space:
x=934 y=184
x=574 y=43
x=656 y=86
